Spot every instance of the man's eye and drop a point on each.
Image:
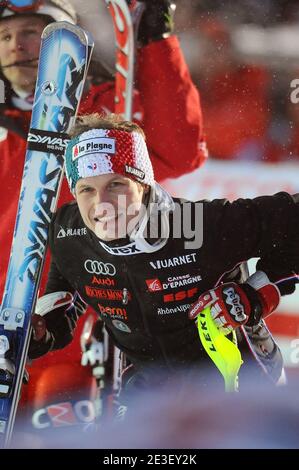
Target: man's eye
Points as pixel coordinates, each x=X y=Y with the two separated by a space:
x=31 y=31
x=116 y=184
x=5 y=38
x=85 y=190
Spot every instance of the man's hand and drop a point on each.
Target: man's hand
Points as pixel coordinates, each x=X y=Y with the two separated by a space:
x=157 y=20
x=50 y=305
x=233 y=305
x=38 y=326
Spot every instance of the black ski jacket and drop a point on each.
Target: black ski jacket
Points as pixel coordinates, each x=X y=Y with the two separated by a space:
x=144 y=298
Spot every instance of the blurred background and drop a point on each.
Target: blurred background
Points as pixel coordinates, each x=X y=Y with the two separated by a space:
x=243 y=56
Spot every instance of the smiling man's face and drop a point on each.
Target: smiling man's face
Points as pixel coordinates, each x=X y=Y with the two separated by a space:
x=109 y=204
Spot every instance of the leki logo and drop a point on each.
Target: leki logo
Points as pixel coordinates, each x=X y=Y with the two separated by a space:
x=154 y=285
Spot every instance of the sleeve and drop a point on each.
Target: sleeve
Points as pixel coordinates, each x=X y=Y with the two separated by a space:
x=60 y=322
x=172 y=110
x=264 y=227
x=56 y=282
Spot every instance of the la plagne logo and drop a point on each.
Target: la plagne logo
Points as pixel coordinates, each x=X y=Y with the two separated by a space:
x=96 y=145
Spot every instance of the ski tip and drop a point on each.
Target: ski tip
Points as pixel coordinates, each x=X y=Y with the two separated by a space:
x=83 y=35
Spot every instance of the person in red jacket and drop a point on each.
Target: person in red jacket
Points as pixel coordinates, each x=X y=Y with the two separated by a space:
x=235 y=94
x=163 y=87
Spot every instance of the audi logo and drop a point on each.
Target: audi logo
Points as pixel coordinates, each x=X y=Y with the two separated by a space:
x=98 y=267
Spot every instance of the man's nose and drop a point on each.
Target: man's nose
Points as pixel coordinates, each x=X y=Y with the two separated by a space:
x=101 y=200
x=99 y=197
x=103 y=204
x=17 y=43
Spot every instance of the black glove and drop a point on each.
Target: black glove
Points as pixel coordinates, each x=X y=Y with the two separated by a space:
x=156 y=22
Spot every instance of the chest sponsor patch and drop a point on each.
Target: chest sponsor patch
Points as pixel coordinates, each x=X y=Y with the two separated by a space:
x=98 y=268
x=181 y=295
x=113 y=312
x=110 y=294
x=155 y=285
x=178 y=309
x=71 y=232
x=101 y=281
x=173 y=262
x=126 y=250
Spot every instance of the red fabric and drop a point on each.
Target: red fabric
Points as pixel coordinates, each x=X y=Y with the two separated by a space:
x=270 y=297
x=284 y=324
x=288 y=151
x=235 y=107
x=167 y=106
x=173 y=117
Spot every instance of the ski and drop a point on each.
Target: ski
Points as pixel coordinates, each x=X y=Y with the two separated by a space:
x=125 y=18
x=64 y=57
x=125 y=15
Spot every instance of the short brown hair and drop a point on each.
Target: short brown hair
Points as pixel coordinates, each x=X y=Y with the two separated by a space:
x=100 y=121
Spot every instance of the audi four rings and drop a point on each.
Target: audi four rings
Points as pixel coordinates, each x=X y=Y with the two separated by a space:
x=98 y=267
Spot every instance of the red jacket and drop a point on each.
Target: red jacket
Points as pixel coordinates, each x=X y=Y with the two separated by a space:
x=167 y=106
x=236 y=109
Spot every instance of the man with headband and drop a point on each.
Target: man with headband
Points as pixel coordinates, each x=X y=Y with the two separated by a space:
x=163 y=258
